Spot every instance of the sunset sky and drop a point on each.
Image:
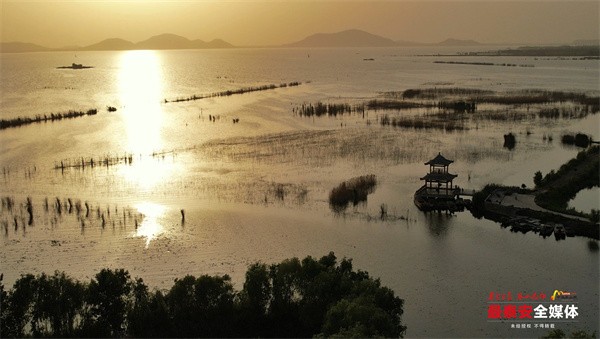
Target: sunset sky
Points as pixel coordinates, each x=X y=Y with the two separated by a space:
x=261 y=22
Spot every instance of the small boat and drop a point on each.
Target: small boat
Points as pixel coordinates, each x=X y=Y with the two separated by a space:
x=521 y=226
x=559 y=232
x=546 y=230
x=536 y=226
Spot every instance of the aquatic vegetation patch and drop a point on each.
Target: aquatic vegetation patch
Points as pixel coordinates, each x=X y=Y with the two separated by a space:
x=234 y=92
x=21 y=121
x=285 y=192
x=20 y=215
x=522 y=97
x=422 y=123
x=378 y=104
x=326 y=109
x=579 y=140
x=431 y=107
x=106 y=160
x=509 y=141
x=352 y=191
x=482 y=63
x=437 y=92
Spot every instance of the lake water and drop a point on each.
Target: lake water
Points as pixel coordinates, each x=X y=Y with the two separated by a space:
x=257 y=190
x=586 y=200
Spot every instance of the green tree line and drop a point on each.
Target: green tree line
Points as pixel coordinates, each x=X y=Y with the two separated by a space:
x=294 y=298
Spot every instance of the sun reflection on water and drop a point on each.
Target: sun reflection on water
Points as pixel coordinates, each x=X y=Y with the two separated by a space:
x=150 y=228
x=140 y=89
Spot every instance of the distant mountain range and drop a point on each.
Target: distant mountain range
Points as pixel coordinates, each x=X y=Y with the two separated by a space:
x=348 y=38
x=21 y=47
x=163 y=41
x=358 y=38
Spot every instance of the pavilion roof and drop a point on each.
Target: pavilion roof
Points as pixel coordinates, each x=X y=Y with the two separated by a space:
x=439 y=160
x=439 y=177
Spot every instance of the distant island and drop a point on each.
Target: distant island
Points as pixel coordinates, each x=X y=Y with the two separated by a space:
x=159 y=42
x=75 y=66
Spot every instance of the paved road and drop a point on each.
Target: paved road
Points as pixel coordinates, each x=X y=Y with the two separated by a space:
x=528 y=201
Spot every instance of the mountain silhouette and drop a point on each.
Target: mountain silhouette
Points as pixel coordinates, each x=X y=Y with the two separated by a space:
x=349 y=38
x=172 y=41
x=165 y=41
x=457 y=42
x=21 y=47
x=114 y=44
x=218 y=43
x=358 y=38
x=162 y=41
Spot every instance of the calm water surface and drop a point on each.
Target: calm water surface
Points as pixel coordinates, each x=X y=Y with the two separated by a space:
x=586 y=200
x=226 y=176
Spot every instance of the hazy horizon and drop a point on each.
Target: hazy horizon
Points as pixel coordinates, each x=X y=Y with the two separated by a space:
x=248 y=23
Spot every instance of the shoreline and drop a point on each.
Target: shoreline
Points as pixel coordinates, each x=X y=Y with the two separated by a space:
x=508 y=205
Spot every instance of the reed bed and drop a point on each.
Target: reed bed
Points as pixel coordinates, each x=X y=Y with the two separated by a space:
x=235 y=92
x=352 y=191
x=20 y=215
x=104 y=161
x=422 y=123
x=378 y=104
x=579 y=140
x=458 y=106
x=20 y=121
x=523 y=105
x=321 y=109
x=523 y=97
x=504 y=116
x=436 y=93
x=482 y=63
x=509 y=141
